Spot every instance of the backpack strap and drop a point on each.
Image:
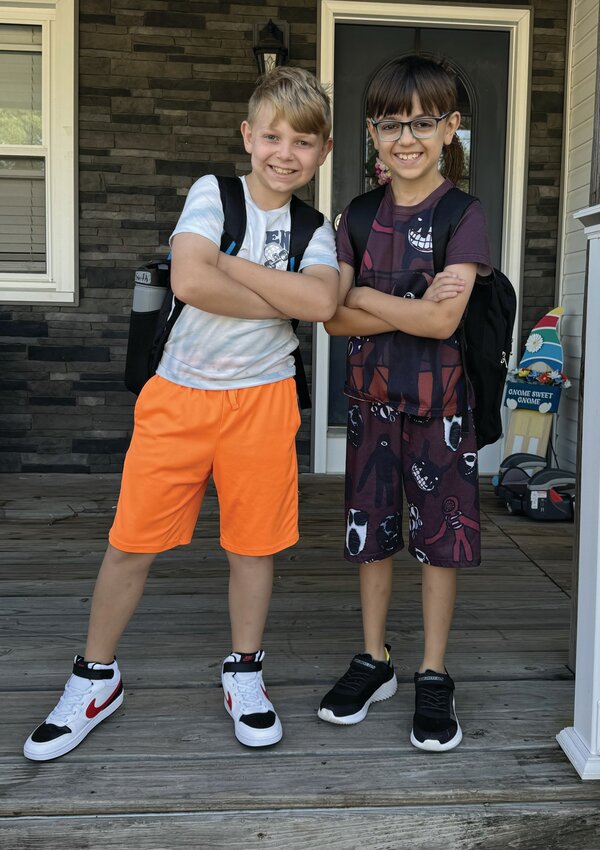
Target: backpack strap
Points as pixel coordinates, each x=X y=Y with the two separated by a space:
x=448 y=212
x=361 y=214
x=446 y=217
x=304 y=220
x=234 y=213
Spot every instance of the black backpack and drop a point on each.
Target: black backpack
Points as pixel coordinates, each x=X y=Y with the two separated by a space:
x=485 y=333
x=149 y=331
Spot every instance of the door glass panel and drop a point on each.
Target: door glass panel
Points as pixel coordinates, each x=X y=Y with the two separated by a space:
x=20 y=85
x=466 y=109
x=22 y=215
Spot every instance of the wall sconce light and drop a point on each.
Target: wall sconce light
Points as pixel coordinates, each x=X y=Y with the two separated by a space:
x=270 y=45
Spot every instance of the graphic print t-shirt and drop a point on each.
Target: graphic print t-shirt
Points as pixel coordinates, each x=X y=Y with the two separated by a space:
x=213 y=352
x=417 y=375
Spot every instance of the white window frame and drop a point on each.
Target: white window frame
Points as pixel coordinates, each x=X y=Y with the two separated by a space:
x=58 y=284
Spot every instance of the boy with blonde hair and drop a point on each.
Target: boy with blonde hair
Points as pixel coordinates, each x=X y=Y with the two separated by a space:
x=222 y=403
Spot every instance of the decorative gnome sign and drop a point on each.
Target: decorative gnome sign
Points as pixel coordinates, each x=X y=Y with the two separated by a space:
x=534 y=387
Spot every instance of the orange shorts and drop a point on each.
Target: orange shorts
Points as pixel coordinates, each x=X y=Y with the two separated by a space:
x=245 y=438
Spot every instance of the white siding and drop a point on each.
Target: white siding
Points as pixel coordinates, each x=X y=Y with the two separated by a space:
x=579 y=119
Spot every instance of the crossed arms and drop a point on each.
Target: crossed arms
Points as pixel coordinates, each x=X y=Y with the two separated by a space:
x=205 y=277
x=363 y=311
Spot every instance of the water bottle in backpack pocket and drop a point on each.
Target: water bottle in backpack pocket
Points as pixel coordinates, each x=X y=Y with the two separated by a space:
x=151 y=289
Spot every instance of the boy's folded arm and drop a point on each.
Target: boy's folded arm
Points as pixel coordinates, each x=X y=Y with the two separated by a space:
x=311 y=295
x=347 y=322
x=196 y=280
x=417 y=316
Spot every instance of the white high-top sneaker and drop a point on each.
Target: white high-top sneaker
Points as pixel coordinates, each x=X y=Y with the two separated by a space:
x=91 y=694
x=255 y=722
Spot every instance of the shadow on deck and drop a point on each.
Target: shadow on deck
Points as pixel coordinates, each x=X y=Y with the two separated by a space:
x=166 y=772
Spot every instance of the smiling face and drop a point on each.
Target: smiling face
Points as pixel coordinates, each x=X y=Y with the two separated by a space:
x=414 y=163
x=283 y=159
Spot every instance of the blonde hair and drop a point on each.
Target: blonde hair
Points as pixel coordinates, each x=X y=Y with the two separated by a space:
x=295 y=95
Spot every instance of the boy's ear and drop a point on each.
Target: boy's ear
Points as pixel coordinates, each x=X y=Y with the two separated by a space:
x=246 y=131
x=326 y=150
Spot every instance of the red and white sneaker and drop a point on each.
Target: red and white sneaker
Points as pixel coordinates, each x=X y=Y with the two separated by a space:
x=91 y=694
x=255 y=722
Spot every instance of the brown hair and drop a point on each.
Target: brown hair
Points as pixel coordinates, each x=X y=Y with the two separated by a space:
x=394 y=86
x=295 y=95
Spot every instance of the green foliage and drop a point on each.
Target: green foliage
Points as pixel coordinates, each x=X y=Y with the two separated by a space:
x=20 y=127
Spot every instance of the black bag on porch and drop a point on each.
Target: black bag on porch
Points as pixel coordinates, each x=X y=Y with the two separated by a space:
x=485 y=333
x=155 y=309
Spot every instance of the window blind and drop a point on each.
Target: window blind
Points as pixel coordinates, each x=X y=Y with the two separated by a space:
x=22 y=215
x=22 y=177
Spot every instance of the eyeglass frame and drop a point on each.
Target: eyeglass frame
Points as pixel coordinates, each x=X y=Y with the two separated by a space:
x=409 y=124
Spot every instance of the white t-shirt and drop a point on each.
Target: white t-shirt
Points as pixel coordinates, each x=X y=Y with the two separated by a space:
x=207 y=351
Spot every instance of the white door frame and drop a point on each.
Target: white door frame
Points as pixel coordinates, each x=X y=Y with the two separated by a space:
x=328 y=444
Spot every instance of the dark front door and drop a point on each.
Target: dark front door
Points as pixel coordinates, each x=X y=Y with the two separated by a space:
x=480 y=60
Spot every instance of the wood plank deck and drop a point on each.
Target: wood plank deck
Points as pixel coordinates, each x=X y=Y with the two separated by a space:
x=165 y=771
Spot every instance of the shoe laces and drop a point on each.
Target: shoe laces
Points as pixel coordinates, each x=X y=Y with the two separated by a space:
x=355 y=677
x=71 y=701
x=433 y=699
x=250 y=693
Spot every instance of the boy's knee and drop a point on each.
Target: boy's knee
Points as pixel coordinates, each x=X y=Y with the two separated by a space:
x=245 y=562
x=128 y=560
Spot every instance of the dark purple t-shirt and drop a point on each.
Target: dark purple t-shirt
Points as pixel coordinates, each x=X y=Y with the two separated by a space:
x=415 y=374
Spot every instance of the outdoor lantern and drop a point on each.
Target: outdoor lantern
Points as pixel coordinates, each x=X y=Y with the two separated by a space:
x=270 y=46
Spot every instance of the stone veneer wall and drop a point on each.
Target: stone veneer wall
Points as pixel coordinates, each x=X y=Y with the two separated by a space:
x=163 y=88
x=545 y=160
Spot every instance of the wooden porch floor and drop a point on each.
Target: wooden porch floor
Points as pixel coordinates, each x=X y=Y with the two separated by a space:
x=166 y=772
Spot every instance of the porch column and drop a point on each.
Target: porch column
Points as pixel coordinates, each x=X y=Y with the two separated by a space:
x=581 y=742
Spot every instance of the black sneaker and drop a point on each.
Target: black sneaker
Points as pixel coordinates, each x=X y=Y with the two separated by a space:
x=435 y=724
x=364 y=682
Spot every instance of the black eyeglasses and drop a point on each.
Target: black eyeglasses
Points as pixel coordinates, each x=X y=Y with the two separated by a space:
x=390 y=129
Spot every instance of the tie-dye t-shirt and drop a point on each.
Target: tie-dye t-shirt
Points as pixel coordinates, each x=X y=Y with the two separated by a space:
x=417 y=375
x=211 y=352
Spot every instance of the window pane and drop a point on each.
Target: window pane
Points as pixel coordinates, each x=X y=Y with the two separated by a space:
x=22 y=35
x=20 y=85
x=22 y=215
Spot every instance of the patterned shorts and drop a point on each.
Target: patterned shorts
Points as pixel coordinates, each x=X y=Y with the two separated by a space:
x=437 y=466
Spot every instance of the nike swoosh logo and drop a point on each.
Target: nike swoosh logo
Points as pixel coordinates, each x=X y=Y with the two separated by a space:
x=93 y=710
x=229 y=700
